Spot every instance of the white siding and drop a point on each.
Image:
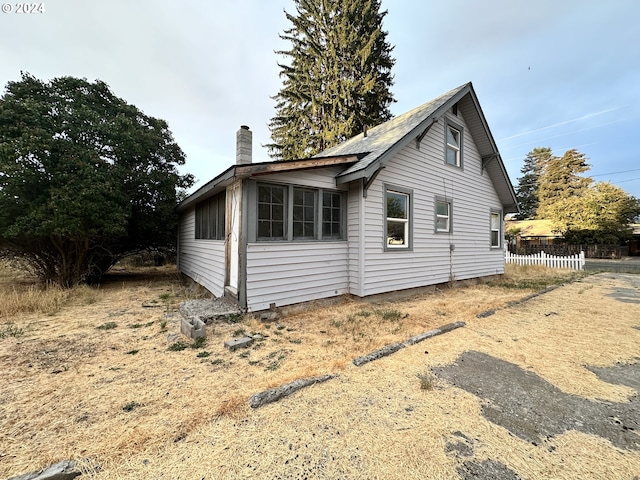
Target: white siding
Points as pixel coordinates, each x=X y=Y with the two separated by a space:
x=288 y=273
x=355 y=239
x=431 y=261
x=315 y=178
x=202 y=260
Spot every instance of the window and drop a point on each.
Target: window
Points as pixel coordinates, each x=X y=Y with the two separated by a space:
x=397 y=219
x=453 y=145
x=289 y=213
x=304 y=213
x=443 y=215
x=496 y=230
x=210 y=218
x=271 y=219
x=331 y=215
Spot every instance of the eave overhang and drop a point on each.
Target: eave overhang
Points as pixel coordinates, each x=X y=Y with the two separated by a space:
x=236 y=172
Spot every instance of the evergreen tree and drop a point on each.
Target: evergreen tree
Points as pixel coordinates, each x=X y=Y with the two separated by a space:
x=560 y=179
x=529 y=183
x=338 y=77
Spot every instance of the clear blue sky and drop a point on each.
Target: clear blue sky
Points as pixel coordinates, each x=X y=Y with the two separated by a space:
x=557 y=73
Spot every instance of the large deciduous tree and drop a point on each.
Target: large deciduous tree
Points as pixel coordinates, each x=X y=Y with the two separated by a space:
x=85 y=178
x=600 y=215
x=528 y=186
x=337 y=79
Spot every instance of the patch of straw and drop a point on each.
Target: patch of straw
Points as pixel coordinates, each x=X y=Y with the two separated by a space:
x=65 y=383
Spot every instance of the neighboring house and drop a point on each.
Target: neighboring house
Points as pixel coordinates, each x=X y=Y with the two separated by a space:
x=532 y=232
x=416 y=201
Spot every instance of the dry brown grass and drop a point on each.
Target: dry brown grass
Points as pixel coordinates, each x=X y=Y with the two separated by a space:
x=71 y=390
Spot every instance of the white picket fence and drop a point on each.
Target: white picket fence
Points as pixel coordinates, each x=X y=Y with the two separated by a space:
x=574 y=262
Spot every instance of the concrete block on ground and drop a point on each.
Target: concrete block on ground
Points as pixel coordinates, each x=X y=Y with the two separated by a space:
x=193 y=328
x=432 y=333
x=65 y=470
x=383 y=352
x=394 y=347
x=239 y=342
x=274 y=394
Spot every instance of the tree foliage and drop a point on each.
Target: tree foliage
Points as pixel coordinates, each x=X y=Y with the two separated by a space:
x=554 y=188
x=337 y=79
x=600 y=215
x=560 y=180
x=528 y=186
x=85 y=178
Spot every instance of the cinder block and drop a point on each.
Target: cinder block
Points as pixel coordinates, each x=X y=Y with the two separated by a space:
x=239 y=342
x=193 y=328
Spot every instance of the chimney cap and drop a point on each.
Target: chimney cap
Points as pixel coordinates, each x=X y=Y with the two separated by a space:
x=244 y=127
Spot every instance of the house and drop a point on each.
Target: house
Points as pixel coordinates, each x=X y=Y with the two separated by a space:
x=418 y=200
x=532 y=232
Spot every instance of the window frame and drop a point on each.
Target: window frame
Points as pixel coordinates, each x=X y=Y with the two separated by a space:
x=500 y=244
x=304 y=220
x=448 y=124
x=210 y=225
x=285 y=214
x=436 y=216
x=408 y=246
x=289 y=216
x=341 y=208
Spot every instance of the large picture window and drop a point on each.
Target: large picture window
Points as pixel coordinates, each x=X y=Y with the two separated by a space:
x=397 y=218
x=290 y=213
x=210 y=214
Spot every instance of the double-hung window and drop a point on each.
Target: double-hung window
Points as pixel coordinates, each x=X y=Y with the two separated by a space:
x=496 y=230
x=291 y=213
x=443 y=215
x=453 y=144
x=210 y=215
x=397 y=218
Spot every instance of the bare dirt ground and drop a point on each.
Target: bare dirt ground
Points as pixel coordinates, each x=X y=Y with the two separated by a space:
x=547 y=388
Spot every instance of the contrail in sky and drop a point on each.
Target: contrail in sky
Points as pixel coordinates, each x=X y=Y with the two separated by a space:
x=577 y=119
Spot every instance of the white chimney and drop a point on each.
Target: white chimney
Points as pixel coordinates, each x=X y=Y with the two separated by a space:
x=244 y=139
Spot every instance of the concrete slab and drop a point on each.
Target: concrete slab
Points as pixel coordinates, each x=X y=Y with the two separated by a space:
x=210 y=309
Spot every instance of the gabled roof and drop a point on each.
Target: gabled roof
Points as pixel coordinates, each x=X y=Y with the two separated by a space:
x=382 y=142
x=364 y=156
